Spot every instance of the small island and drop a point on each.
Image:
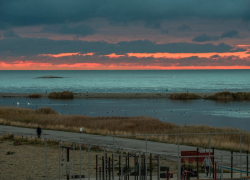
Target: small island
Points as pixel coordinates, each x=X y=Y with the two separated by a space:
x=50 y=77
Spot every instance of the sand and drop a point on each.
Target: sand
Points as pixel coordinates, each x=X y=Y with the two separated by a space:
x=28 y=162
x=108 y=95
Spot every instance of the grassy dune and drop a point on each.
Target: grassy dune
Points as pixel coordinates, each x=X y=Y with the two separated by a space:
x=228 y=96
x=61 y=95
x=34 y=96
x=49 y=119
x=184 y=96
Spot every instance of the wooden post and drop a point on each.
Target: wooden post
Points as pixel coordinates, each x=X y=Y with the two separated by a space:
x=135 y=167
x=197 y=163
x=150 y=166
x=213 y=162
x=96 y=166
x=103 y=168
x=231 y=164
x=128 y=165
x=106 y=165
x=100 y=173
x=109 y=168
x=67 y=161
x=247 y=163
x=119 y=167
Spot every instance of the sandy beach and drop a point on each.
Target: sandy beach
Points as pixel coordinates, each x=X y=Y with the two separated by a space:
x=109 y=95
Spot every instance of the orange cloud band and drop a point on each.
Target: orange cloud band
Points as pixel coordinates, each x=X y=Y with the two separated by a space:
x=29 y=65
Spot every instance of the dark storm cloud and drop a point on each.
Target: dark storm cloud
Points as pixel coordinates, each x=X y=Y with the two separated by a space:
x=226 y=34
x=215 y=56
x=238 y=50
x=81 y=30
x=220 y=61
x=229 y=34
x=37 y=12
x=10 y=33
x=204 y=38
x=248 y=52
x=35 y=46
x=166 y=31
x=155 y=25
x=184 y=27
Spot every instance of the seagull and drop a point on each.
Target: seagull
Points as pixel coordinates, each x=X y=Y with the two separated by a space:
x=17 y=103
x=28 y=103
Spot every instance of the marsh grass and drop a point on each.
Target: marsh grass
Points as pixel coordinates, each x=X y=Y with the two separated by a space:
x=61 y=95
x=49 y=119
x=229 y=96
x=18 y=140
x=184 y=96
x=34 y=96
x=45 y=110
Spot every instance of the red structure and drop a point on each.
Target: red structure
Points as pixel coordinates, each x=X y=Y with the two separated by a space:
x=194 y=159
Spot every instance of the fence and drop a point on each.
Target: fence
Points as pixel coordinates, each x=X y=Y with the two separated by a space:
x=57 y=159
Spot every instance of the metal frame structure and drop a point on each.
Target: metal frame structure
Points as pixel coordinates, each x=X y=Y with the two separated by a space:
x=111 y=148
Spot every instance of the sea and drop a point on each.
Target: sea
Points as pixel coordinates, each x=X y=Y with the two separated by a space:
x=126 y=81
x=235 y=114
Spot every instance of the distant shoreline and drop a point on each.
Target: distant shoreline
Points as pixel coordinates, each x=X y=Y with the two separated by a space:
x=49 y=77
x=109 y=95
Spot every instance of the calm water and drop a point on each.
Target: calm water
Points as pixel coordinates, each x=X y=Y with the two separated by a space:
x=232 y=114
x=126 y=81
x=208 y=112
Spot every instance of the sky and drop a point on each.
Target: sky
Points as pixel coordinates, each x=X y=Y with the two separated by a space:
x=124 y=34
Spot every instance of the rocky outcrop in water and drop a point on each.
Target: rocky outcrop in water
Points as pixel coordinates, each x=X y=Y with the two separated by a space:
x=50 y=77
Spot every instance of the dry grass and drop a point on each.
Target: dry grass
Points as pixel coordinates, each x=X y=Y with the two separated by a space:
x=62 y=95
x=229 y=96
x=34 y=96
x=27 y=160
x=45 y=110
x=124 y=126
x=28 y=141
x=184 y=96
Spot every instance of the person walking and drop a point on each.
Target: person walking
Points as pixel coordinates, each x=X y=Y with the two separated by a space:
x=38 y=132
x=207 y=163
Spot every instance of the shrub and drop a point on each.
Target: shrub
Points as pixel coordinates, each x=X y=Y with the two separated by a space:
x=228 y=96
x=184 y=96
x=62 y=95
x=34 y=96
x=45 y=110
x=7 y=137
x=241 y=96
x=96 y=148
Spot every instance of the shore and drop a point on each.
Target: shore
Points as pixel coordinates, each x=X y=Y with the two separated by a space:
x=109 y=95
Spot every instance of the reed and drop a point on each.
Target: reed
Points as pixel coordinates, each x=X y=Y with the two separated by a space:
x=229 y=96
x=45 y=110
x=61 y=95
x=34 y=96
x=49 y=119
x=18 y=140
x=184 y=96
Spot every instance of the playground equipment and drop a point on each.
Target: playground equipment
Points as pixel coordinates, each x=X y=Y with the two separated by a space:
x=124 y=168
x=67 y=163
x=219 y=167
x=197 y=157
x=138 y=170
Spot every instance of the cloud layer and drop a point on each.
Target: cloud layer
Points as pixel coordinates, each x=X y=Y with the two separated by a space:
x=80 y=30
x=142 y=33
x=35 y=12
x=226 y=34
x=35 y=46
